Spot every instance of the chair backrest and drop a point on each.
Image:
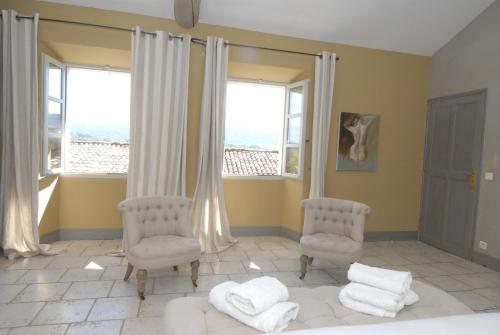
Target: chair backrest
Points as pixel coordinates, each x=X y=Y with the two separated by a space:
x=335 y=216
x=151 y=216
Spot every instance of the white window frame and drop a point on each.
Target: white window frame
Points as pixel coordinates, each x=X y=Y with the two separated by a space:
x=65 y=157
x=45 y=170
x=47 y=61
x=280 y=153
x=286 y=119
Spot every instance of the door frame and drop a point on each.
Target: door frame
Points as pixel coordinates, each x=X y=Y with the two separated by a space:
x=482 y=119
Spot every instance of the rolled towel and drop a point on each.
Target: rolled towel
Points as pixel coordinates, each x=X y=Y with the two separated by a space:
x=273 y=320
x=398 y=282
x=378 y=298
x=257 y=295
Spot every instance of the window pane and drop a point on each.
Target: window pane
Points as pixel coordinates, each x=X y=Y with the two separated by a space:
x=295 y=104
x=292 y=160
x=54 y=117
x=293 y=133
x=97 y=118
x=254 y=128
x=54 y=152
x=55 y=81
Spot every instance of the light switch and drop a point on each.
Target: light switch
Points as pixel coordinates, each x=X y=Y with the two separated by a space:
x=488 y=175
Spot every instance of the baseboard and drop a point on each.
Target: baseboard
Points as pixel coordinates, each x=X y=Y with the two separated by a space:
x=391 y=236
x=110 y=234
x=256 y=231
x=488 y=261
x=90 y=234
x=50 y=237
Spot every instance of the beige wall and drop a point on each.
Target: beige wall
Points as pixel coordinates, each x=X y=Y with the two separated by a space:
x=390 y=84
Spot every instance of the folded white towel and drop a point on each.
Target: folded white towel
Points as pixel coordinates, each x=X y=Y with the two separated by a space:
x=257 y=295
x=272 y=320
x=364 y=307
x=398 y=282
x=388 y=301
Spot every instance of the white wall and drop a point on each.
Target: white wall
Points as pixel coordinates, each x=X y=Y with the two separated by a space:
x=471 y=61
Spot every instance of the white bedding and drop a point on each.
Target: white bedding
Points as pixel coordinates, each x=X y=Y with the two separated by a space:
x=470 y=324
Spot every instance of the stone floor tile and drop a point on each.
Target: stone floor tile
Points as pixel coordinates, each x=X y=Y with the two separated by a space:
x=18 y=315
x=89 y=290
x=149 y=326
x=260 y=266
x=42 y=292
x=225 y=268
x=10 y=276
x=41 y=276
x=65 y=311
x=36 y=262
x=40 y=330
x=115 y=308
x=128 y=288
x=9 y=292
x=448 y=283
x=82 y=275
x=154 y=305
x=112 y=327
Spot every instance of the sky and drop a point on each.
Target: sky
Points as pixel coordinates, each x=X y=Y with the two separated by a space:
x=254 y=114
x=98 y=98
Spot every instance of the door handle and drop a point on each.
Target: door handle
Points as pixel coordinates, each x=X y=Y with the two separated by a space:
x=472 y=177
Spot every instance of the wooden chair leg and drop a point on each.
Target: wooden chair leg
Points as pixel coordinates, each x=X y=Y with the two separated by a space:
x=194 y=272
x=310 y=260
x=141 y=283
x=303 y=266
x=130 y=268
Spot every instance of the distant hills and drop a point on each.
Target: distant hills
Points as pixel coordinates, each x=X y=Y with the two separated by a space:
x=235 y=138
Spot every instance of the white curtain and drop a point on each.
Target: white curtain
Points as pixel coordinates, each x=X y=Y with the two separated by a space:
x=211 y=225
x=158 y=114
x=19 y=136
x=323 y=101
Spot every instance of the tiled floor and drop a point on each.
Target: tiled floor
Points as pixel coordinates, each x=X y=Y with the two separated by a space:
x=82 y=291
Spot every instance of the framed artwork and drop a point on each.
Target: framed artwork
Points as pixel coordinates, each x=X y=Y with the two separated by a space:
x=358 y=142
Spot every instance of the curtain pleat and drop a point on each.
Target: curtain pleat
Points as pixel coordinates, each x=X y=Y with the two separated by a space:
x=158 y=114
x=323 y=101
x=19 y=153
x=211 y=225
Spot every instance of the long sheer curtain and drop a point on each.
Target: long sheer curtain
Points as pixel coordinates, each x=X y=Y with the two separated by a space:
x=158 y=114
x=323 y=101
x=211 y=225
x=19 y=136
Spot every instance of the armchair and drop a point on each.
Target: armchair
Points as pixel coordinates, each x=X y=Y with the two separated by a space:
x=158 y=233
x=333 y=230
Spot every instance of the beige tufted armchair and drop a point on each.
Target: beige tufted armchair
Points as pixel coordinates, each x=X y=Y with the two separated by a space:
x=333 y=231
x=158 y=233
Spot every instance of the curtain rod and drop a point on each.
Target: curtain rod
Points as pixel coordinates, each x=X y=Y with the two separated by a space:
x=194 y=40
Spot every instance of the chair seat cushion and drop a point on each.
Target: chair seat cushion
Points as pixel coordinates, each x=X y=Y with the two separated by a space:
x=318 y=307
x=166 y=246
x=330 y=243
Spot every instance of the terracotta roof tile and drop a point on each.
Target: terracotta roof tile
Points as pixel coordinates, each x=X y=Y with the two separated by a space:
x=112 y=157
x=250 y=162
x=98 y=157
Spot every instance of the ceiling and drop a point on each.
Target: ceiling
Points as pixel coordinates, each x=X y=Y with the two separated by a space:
x=413 y=26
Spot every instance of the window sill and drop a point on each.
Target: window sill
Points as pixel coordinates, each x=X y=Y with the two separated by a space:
x=270 y=178
x=94 y=175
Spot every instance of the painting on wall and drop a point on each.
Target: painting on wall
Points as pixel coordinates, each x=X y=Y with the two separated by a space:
x=358 y=141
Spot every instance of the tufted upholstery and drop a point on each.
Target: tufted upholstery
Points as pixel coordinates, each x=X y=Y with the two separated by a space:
x=318 y=307
x=333 y=229
x=158 y=233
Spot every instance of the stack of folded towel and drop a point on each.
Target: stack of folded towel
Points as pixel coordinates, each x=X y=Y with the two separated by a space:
x=377 y=291
x=260 y=303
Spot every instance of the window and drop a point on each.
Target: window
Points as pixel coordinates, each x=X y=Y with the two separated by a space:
x=294 y=129
x=93 y=132
x=264 y=133
x=54 y=107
